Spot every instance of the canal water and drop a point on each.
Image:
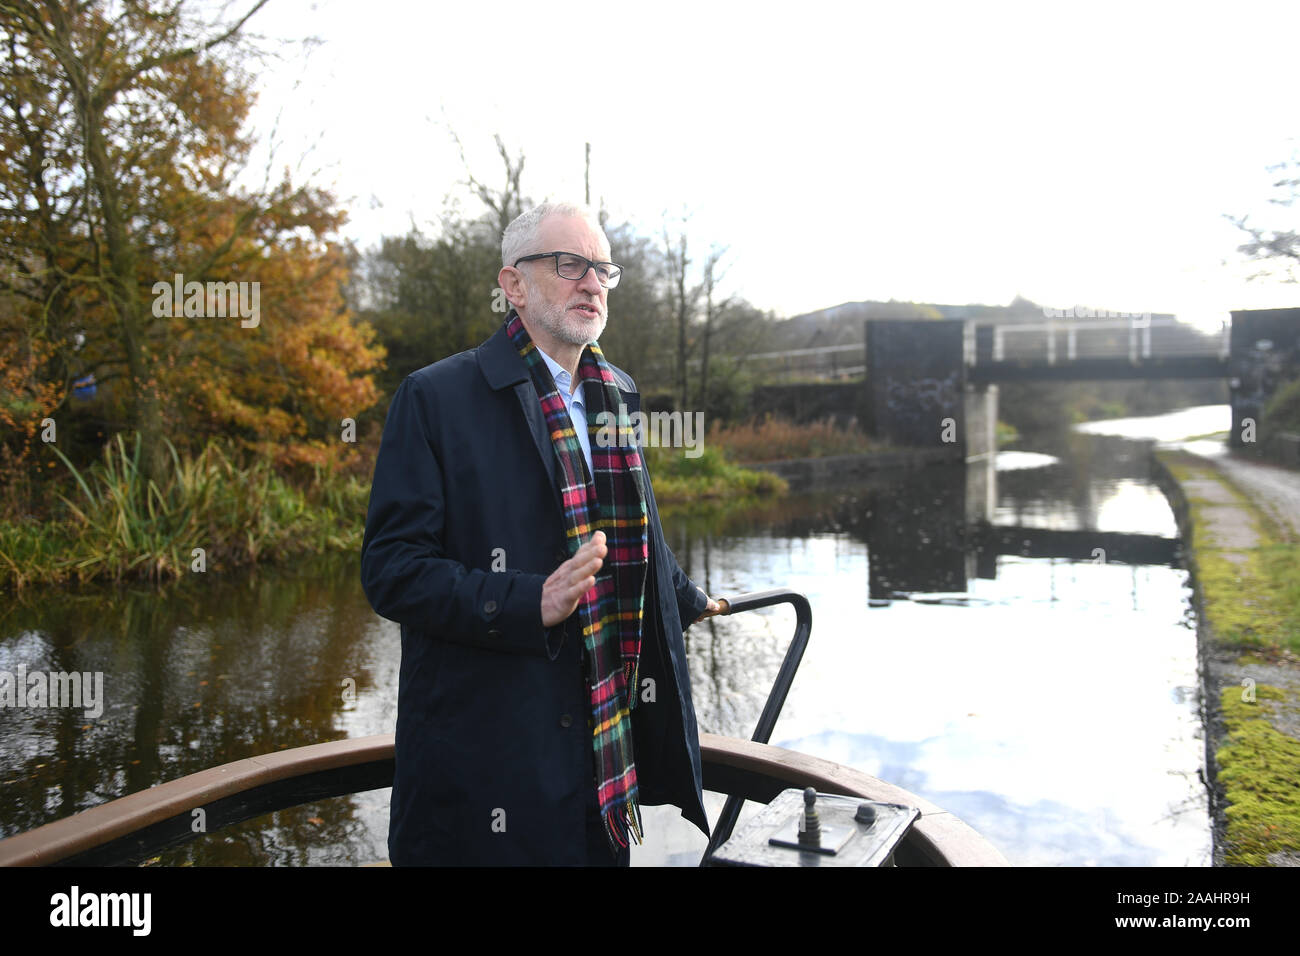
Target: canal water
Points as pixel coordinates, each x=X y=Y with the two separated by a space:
x=981 y=637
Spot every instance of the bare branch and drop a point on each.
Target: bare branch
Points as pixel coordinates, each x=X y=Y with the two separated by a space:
x=107 y=93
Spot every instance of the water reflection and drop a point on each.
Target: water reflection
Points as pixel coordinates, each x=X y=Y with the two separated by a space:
x=1018 y=460
x=208 y=672
x=1184 y=423
x=1059 y=690
x=1055 y=711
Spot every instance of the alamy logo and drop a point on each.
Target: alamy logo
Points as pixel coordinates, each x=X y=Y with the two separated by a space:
x=75 y=908
x=656 y=430
x=57 y=689
x=1088 y=312
x=198 y=300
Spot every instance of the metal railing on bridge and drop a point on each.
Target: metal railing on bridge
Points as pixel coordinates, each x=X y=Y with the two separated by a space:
x=1058 y=342
x=1018 y=349
x=829 y=362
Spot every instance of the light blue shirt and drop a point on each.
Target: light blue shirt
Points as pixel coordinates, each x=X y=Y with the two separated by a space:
x=574 y=403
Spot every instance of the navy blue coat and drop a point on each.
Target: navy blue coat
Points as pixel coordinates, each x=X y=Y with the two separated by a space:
x=492 y=739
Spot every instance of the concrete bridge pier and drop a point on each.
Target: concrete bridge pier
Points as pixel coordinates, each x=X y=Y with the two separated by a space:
x=981 y=452
x=1264 y=353
x=918 y=395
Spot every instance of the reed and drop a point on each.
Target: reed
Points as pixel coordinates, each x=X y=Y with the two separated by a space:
x=117 y=524
x=775 y=439
x=109 y=522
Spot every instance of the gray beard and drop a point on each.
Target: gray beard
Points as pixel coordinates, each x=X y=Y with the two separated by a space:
x=552 y=319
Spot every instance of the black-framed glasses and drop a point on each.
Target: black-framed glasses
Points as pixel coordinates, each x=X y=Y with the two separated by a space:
x=570 y=265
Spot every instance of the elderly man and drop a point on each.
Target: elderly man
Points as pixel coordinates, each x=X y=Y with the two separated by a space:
x=544 y=694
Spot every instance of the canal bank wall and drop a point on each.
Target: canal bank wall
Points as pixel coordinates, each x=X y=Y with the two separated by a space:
x=1249 y=678
x=805 y=473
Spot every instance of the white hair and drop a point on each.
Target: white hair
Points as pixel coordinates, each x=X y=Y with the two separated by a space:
x=522 y=233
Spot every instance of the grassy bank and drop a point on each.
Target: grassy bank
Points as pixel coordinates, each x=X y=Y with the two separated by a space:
x=1248 y=580
x=718 y=477
x=708 y=478
x=1251 y=595
x=107 y=522
x=1259 y=767
x=774 y=439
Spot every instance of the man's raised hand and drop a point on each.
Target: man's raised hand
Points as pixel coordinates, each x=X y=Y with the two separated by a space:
x=571 y=580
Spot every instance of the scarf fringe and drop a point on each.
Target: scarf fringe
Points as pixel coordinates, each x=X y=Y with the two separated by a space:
x=623 y=825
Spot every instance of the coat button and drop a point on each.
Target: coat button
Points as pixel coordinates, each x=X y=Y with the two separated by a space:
x=566 y=720
x=490 y=607
x=493 y=632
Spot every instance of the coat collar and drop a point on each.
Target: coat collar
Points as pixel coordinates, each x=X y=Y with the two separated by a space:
x=500 y=363
x=503 y=367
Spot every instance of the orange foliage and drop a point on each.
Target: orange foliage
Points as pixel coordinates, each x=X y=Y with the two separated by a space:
x=25 y=401
x=91 y=231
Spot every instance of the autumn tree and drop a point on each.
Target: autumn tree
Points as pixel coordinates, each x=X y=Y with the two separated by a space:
x=123 y=147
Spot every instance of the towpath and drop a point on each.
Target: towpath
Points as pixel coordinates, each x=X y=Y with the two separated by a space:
x=1227 y=493
x=1273 y=489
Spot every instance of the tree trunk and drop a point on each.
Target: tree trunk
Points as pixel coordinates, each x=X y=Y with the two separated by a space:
x=704 y=350
x=679 y=267
x=121 y=284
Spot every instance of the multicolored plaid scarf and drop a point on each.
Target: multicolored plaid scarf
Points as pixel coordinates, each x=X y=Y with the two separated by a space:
x=613 y=501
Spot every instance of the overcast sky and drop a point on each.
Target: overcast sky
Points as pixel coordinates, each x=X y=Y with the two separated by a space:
x=1069 y=153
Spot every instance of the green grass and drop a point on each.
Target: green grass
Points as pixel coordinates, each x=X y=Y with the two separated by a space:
x=109 y=523
x=1098 y=409
x=1254 y=603
x=114 y=524
x=1253 y=607
x=1282 y=413
x=1259 y=768
x=1242 y=603
x=1280 y=564
x=710 y=477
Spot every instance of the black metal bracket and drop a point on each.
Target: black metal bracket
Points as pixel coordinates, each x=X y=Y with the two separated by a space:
x=775 y=698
